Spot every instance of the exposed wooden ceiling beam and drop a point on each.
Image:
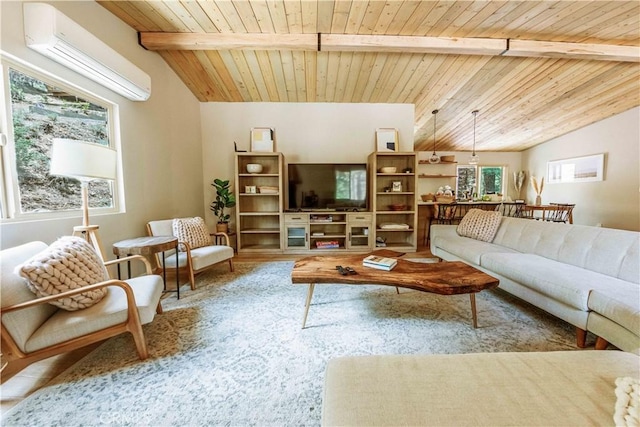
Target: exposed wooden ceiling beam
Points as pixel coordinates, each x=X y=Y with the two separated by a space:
x=532 y=48
x=386 y=43
x=411 y=44
x=228 y=41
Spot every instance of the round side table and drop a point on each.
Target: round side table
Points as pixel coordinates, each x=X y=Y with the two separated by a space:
x=149 y=246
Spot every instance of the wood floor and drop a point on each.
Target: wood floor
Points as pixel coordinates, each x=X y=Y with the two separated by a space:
x=19 y=385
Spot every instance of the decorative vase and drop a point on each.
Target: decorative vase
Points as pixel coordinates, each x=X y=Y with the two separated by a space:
x=538 y=200
x=222 y=227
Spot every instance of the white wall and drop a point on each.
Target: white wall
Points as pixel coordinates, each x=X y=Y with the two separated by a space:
x=614 y=202
x=304 y=132
x=160 y=138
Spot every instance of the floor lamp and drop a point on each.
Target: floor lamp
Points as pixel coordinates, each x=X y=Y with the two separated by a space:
x=84 y=161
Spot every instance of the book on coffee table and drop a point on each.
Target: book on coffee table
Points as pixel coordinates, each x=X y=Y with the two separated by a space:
x=379 y=262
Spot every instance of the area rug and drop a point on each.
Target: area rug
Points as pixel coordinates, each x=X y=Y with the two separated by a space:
x=232 y=352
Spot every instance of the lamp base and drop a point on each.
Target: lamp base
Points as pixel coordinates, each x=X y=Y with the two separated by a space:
x=91 y=235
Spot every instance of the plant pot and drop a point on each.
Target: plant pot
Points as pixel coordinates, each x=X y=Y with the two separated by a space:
x=222 y=227
x=538 y=200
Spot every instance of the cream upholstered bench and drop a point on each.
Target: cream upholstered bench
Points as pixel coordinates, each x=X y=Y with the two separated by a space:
x=553 y=388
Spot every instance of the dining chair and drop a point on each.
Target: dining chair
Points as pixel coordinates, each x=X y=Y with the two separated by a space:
x=561 y=213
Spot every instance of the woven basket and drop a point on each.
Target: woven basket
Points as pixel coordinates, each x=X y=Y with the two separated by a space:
x=445 y=199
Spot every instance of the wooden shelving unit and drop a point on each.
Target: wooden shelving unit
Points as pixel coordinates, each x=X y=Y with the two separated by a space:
x=306 y=231
x=259 y=214
x=394 y=200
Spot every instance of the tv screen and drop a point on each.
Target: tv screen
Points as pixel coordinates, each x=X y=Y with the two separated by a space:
x=327 y=186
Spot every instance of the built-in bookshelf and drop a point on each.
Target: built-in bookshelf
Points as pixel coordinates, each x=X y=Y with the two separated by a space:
x=393 y=186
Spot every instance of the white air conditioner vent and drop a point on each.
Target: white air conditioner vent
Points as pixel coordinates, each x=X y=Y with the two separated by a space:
x=53 y=34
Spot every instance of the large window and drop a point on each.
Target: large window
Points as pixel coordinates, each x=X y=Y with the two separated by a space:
x=39 y=110
x=477 y=181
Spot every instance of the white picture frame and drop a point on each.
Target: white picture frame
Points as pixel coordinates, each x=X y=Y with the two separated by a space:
x=396 y=186
x=263 y=140
x=387 y=140
x=576 y=169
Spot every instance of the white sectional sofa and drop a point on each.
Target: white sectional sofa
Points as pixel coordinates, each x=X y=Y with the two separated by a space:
x=586 y=276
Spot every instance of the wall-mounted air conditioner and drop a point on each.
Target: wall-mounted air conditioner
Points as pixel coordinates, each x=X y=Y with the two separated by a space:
x=55 y=35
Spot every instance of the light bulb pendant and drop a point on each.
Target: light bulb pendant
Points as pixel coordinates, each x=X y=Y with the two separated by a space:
x=474 y=159
x=434 y=157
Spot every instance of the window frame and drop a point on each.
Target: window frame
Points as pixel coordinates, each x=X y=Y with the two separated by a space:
x=478 y=177
x=9 y=187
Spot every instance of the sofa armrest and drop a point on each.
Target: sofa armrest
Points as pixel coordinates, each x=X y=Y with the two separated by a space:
x=440 y=230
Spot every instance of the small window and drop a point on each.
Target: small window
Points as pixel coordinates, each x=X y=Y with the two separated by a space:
x=477 y=181
x=41 y=110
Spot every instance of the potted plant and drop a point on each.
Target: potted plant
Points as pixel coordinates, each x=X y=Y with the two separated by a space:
x=224 y=199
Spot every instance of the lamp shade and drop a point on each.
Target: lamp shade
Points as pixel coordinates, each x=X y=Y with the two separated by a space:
x=82 y=160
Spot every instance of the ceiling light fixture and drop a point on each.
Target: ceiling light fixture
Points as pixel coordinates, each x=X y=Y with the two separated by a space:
x=434 y=157
x=474 y=159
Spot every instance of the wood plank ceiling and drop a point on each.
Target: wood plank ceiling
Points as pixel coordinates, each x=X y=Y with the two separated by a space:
x=523 y=100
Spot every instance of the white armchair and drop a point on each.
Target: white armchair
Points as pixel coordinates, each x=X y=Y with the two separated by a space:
x=33 y=329
x=192 y=260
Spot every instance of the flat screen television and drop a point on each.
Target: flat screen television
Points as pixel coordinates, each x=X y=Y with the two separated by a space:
x=327 y=186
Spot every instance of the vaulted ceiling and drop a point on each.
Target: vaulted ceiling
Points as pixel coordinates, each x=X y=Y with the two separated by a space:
x=454 y=56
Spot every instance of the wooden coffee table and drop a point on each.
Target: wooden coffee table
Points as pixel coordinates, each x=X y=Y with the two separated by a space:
x=445 y=278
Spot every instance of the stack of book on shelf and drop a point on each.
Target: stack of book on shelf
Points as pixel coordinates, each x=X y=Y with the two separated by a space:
x=328 y=244
x=379 y=262
x=321 y=218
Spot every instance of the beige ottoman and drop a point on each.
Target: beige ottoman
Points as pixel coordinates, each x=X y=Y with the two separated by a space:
x=553 y=388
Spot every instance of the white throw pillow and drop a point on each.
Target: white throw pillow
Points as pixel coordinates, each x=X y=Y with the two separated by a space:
x=627 y=409
x=480 y=224
x=68 y=263
x=192 y=231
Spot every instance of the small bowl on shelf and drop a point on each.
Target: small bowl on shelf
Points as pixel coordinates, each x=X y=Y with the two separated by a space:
x=254 y=168
x=398 y=207
x=388 y=169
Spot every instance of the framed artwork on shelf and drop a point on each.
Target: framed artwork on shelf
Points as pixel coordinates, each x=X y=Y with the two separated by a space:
x=262 y=140
x=386 y=140
x=577 y=169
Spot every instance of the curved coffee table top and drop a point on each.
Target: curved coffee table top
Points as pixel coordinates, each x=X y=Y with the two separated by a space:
x=445 y=278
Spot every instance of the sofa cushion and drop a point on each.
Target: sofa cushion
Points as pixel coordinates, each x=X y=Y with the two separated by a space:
x=465 y=248
x=621 y=305
x=68 y=263
x=192 y=231
x=480 y=224
x=110 y=311
x=563 y=282
x=531 y=388
x=608 y=251
x=202 y=257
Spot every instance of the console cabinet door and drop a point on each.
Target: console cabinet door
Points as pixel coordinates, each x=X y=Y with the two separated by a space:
x=359 y=231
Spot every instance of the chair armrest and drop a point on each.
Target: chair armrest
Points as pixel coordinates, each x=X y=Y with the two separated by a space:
x=145 y=261
x=225 y=235
x=131 y=301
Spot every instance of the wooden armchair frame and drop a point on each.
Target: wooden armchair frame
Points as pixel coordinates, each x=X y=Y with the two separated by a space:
x=189 y=265
x=18 y=359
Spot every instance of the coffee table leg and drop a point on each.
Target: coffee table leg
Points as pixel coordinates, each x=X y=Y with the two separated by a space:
x=474 y=314
x=306 y=307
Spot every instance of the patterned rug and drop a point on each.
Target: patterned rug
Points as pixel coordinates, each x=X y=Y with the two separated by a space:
x=232 y=352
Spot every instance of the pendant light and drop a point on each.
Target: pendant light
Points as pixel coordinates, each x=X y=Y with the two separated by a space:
x=474 y=159
x=434 y=157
